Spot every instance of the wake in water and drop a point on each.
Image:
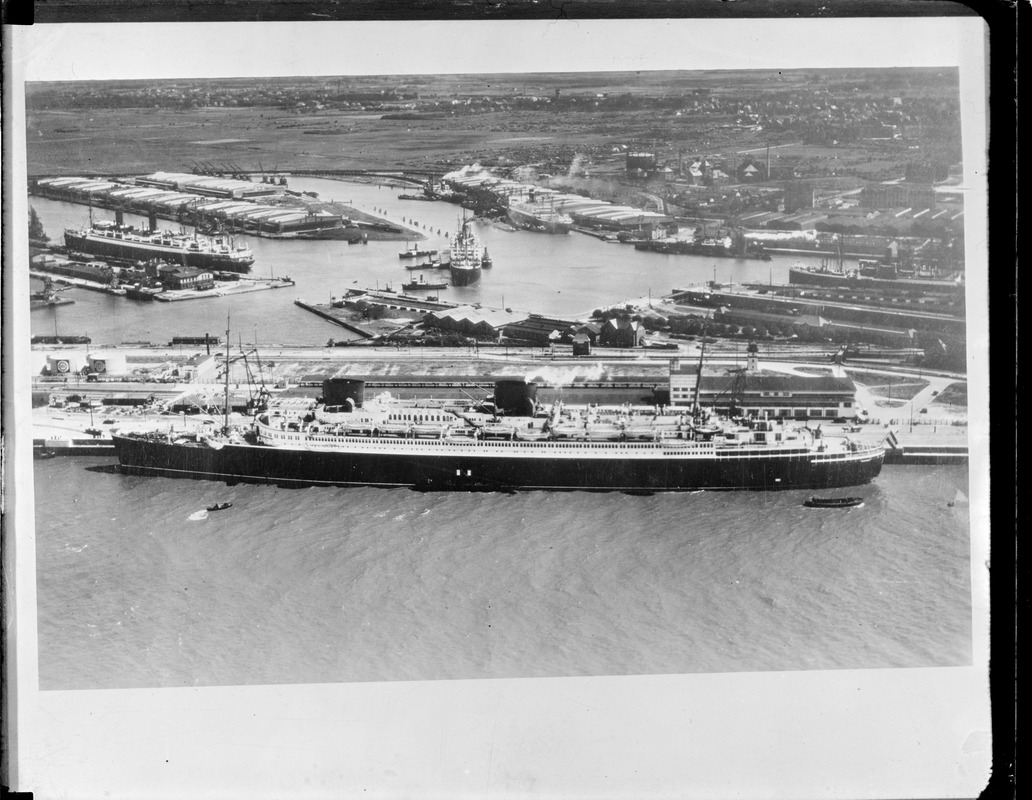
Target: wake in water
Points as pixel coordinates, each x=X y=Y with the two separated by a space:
x=198 y=515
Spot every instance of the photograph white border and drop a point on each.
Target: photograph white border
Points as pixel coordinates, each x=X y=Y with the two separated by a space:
x=843 y=733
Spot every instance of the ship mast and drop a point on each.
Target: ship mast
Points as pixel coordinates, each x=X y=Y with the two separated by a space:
x=697 y=409
x=225 y=404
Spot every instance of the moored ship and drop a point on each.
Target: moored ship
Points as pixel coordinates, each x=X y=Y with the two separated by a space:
x=715 y=248
x=109 y=239
x=422 y=283
x=466 y=259
x=871 y=278
x=539 y=215
x=505 y=443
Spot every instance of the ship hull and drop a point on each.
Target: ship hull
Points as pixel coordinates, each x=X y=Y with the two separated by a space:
x=464 y=276
x=139 y=251
x=439 y=466
x=685 y=248
x=539 y=223
x=807 y=277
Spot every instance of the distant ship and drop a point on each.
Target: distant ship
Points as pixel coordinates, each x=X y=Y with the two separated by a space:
x=870 y=276
x=715 y=248
x=467 y=256
x=49 y=296
x=111 y=240
x=539 y=215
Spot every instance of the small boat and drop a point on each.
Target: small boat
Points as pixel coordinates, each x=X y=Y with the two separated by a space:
x=422 y=283
x=417 y=252
x=833 y=502
x=431 y=264
x=219 y=506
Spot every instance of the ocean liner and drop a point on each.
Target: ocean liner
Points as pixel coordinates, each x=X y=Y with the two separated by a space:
x=504 y=443
x=467 y=256
x=111 y=240
x=539 y=215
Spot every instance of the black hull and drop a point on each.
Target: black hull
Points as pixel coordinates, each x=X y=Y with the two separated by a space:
x=839 y=280
x=696 y=249
x=464 y=277
x=137 y=252
x=476 y=472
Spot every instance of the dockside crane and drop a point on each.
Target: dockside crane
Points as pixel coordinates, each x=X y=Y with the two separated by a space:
x=734 y=393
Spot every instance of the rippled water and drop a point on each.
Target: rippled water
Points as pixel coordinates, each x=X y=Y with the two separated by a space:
x=139 y=586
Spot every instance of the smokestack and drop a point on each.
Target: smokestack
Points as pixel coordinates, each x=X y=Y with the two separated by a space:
x=338 y=391
x=152 y=220
x=768 y=161
x=515 y=397
x=118 y=218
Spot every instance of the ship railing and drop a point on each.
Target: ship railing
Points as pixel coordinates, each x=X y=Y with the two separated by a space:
x=666 y=447
x=755 y=452
x=394 y=441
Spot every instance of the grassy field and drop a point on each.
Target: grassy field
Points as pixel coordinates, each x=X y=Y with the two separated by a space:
x=953 y=395
x=142 y=140
x=132 y=127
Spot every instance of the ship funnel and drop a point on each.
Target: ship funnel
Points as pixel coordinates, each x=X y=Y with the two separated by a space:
x=515 y=397
x=339 y=391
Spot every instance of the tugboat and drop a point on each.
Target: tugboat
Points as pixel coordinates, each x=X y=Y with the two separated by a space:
x=415 y=252
x=422 y=283
x=220 y=506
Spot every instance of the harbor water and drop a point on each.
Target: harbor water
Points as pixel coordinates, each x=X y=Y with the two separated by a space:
x=564 y=275
x=140 y=586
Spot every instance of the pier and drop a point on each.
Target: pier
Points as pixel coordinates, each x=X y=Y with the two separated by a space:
x=335 y=319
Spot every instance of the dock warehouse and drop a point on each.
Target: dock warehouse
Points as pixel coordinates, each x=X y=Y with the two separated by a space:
x=539 y=330
x=765 y=394
x=472 y=321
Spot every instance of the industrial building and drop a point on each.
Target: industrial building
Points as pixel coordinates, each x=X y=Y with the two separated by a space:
x=472 y=321
x=541 y=330
x=622 y=333
x=187 y=278
x=193 y=199
x=764 y=394
x=585 y=211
